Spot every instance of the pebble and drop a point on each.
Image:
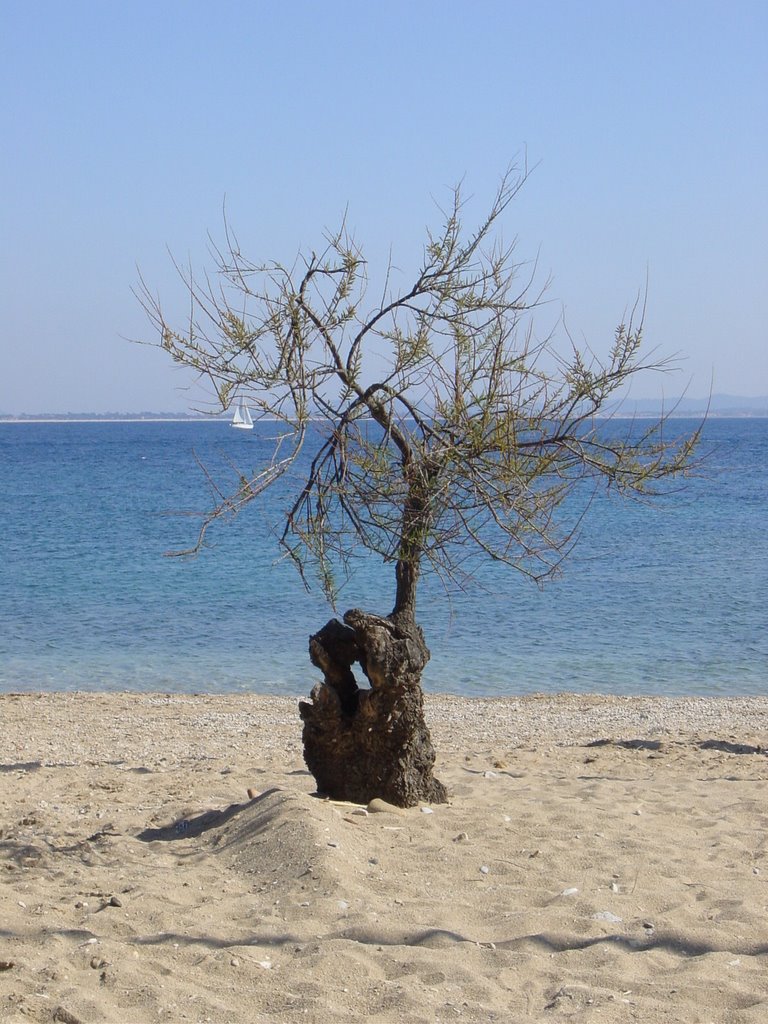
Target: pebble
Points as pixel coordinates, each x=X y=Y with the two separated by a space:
x=427 y=810
x=461 y=837
x=606 y=915
x=484 y=869
x=569 y=892
x=115 y=901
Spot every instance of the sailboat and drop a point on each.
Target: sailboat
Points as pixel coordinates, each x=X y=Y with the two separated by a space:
x=242 y=418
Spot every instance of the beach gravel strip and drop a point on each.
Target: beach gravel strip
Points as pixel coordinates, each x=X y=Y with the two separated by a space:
x=68 y=728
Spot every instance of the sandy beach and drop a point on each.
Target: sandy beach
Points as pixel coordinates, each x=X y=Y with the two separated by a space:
x=601 y=859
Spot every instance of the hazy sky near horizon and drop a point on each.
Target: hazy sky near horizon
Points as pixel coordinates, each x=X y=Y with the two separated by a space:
x=126 y=125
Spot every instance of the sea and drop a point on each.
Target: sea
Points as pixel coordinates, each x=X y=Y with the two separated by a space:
x=664 y=599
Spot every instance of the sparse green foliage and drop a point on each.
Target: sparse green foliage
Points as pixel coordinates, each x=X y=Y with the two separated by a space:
x=437 y=424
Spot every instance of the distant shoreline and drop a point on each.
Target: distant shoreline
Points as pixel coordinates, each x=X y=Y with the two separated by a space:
x=20 y=420
x=113 y=419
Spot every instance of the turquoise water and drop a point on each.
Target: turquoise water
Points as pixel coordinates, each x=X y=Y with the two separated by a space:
x=666 y=600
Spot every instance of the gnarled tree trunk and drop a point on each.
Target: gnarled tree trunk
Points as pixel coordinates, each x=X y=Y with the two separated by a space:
x=365 y=743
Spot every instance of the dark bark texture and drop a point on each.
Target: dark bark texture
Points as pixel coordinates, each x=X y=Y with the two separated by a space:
x=365 y=743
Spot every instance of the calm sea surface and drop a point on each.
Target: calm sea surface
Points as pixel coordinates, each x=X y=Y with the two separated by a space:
x=666 y=600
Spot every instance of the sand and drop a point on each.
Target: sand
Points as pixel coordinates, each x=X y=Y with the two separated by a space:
x=600 y=860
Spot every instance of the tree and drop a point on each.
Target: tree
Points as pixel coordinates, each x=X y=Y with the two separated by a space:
x=437 y=426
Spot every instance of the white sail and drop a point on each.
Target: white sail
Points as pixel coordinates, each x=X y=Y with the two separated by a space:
x=242 y=418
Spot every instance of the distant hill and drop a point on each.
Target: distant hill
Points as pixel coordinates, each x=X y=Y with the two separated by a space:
x=717 y=405
x=104 y=416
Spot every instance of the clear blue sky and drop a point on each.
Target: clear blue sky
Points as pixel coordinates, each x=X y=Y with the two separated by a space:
x=125 y=125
